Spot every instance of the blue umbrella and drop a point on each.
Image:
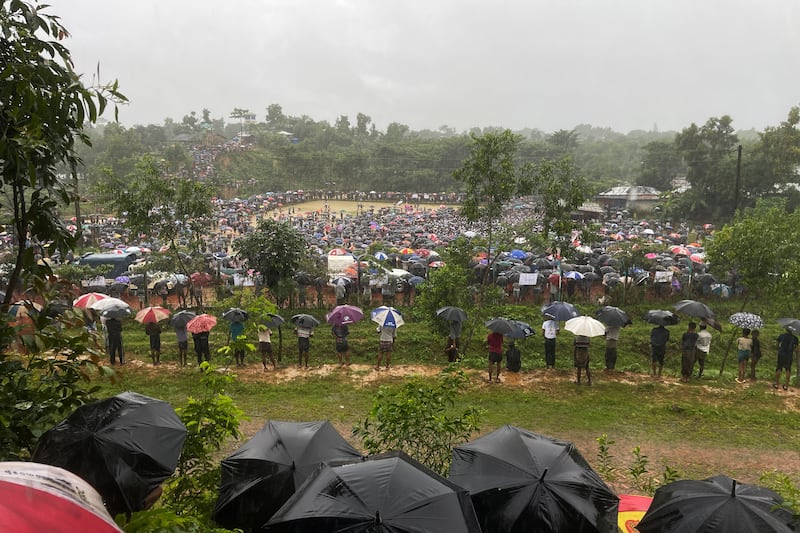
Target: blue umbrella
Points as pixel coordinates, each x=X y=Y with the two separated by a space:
x=386 y=316
x=519 y=254
x=381 y=256
x=416 y=280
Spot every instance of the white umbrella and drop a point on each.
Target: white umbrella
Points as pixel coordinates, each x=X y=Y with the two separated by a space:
x=586 y=326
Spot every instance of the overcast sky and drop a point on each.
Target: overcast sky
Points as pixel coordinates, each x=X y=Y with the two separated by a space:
x=545 y=64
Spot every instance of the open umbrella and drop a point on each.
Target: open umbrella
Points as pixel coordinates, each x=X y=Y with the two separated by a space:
x=792 y=324
x=612 y=316
x=201 y=323
x=661 y=317
x=112 y=308
x=508 y=327
x=152 y=314
x=746 y=320
x=715 y=504
x=452 y=313
x=264 y=472
x=560 y=311
x=181 y=318
x=694 y=308
x=124 y=446
x=344 y=314
x=631 y=510
x=24 y=308
x=387 y=317
x=235 y=314
x=305 y=320
x=521 y=481
x=36 y=497
x=273 y=320
x=86 y=300
x=586 y=326
x=389 y=493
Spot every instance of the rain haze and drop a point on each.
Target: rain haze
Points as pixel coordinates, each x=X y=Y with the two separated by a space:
x=548 y=65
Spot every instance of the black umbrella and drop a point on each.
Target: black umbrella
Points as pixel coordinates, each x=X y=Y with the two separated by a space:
x=181 y=318
x=235 y=314
x=560 y=311
x=390 y=493
x=509 y=327
x=452 y=313
x=261 y=475
x=521 y=481
x=792 y=324
x=305 y=320
x=694 y=308
x=273 y=320
x=715 y=504
x=613 y=316
x=661 y=317
x=124 y=446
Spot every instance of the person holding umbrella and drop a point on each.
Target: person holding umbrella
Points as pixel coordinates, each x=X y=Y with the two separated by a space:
x=550 y=331
x=340 y=333
x=388 y=334
x=495 y=343
x=303 y=344
x=114 y=335
x=659 y=337
x=702 y=347
x=265 y=346
x=688 y=349
x=787 y=346
x=153 y=330
x=235 y=331
x=743 y=346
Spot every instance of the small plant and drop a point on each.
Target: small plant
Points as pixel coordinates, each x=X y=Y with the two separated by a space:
x=604 y=457
x=669 y=475
x=788 y=490
x=639 y=472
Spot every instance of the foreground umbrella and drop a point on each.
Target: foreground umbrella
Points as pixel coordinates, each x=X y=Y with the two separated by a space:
x=631 y=510
x=661 y=317
x=112 y=308
x=261 y=475
x=792 y=324
x=521 y=481
x=181 y=318
x=344 y=314
x=235 y=314
x=152 y=314
x=746 y=320
x=36 y=497
x=86 y=300
x=715 y=504
x=694 y=308
x=586 y=326
x=387 y=317
x=560 y=311
x=305 y=321
x=452 y=313
x=124 y=446
x=613 y=317
x=201 y=323
x=391 y=493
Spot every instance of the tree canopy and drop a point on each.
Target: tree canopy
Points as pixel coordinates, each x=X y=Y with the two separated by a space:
x=275 y=250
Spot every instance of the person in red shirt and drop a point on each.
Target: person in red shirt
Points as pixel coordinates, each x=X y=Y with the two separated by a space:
x=495 y=342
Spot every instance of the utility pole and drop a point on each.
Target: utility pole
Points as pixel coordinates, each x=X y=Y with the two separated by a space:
x=738 y=178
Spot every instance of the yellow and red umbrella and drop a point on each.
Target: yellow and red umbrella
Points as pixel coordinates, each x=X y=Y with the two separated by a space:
x=150 y=314
x=631 y=511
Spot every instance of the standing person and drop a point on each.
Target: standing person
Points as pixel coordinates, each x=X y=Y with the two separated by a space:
x=340 y=333
x=114 y=334
x=688 y=348
x=303 y=344
x=513 y=358
x=659 y=337
x=612 y=336
x=581 y=359
x=341 y=293
x=550 y=330
x=451 y=350
x=388 y=335
x=787 y=346
x=201 y=348
x=387 y=291
x=495 y=342
x=153 y=330
x=182 y=337
x=702 y=347
x=265 y=346
x=236 y=330
x=755 y=353
x=743 y=346
x=553 y=284
x=454 y=336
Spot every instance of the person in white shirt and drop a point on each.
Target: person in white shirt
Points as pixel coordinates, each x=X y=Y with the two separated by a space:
x=702 y=347
x=387 y=338
x=265 y=346
x=303 y=345
x=550 y=330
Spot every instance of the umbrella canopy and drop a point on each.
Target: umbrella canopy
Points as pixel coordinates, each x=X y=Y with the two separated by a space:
x=273 y=320
x=586 y=326
x=508 y=327
x=152 y=314
x=661 y=317
x=792 y=324
x=24 y=308
x=746 y=320
x=36 y=497
x=452 y=313
x=387 y=317
x=181 y=318
x=261 y=475
x=631 y=510
x=305 y=321
x=235 y=314
x=522 y=481
x=612 y=316
x=86 y=300
x=344 y=314
x=390 y=493
x=560 y=311
x=694 y=308
x=124 y=446
x=112 y=308
x=201 y=323
x=715 y=504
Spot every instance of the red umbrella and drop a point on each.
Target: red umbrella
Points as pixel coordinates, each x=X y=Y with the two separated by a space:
x=201 y=323
x=86 y=300
x=338 y=251
x=152 y=314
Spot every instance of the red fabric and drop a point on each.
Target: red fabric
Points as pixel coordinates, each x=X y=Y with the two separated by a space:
x=495 y=341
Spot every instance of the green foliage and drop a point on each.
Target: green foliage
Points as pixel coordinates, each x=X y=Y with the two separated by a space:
x=605 y=466
x=163 y=520
x=275 y=250
x=446 y=285
x=74 y=273
x=639 y=472
x=420 y=419
x=786 y=487
x=210 y=420
x=560 y=189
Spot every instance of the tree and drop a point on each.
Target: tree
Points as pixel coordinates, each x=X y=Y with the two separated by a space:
x=560 y=190
x=44 y=108
x=275 y=250
x=660 y=165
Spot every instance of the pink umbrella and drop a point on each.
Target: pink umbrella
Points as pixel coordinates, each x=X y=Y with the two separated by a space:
x=85 y=301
